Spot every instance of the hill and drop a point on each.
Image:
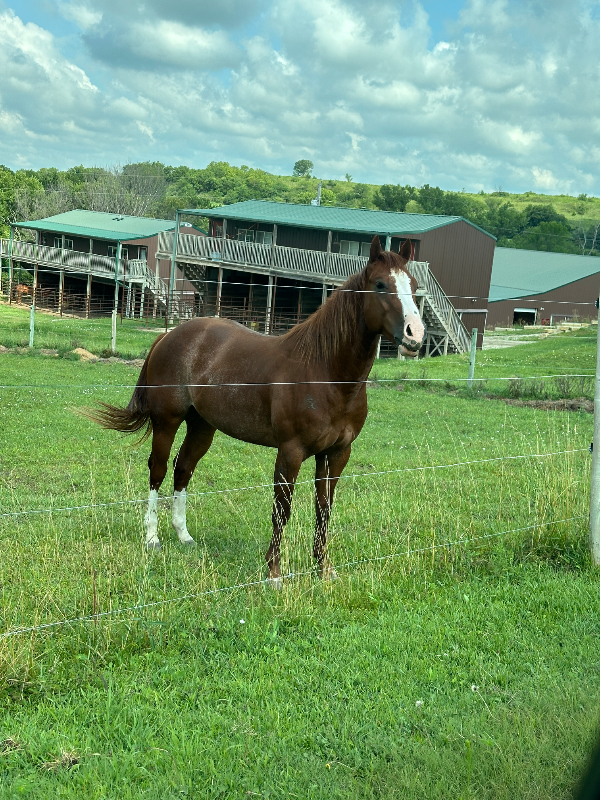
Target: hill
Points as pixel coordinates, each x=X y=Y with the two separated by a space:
x=558 y=223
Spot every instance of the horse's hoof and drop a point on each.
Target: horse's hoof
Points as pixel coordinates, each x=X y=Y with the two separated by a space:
x=153 y=546
x=188 y=542
x=275 y=583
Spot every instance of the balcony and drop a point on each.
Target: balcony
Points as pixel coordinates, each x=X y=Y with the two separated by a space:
x=316 y=265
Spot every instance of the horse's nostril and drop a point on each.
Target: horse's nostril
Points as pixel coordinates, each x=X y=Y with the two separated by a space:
x=408 y=331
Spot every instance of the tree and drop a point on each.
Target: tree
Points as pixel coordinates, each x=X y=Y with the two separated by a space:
x=393 y=198
x=303 y=168
x=349 y=177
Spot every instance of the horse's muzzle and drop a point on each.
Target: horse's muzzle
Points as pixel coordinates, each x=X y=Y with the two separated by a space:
x=410 y=347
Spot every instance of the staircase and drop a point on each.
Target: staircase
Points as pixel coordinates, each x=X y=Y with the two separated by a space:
x=445 y=330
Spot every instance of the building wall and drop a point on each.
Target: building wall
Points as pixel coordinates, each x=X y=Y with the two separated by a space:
x=568 y=300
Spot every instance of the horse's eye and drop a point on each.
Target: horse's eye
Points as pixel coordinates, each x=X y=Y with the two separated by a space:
x=380 y=286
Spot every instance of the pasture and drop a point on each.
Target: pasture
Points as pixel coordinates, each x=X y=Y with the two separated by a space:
x=424 y=671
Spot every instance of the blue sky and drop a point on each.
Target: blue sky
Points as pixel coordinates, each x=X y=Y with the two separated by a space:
x=478 y=94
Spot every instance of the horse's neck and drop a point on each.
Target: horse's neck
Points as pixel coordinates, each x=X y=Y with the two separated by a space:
x=356 y=355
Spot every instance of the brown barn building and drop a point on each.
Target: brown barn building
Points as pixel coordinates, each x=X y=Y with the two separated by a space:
x=87 y=262
x=532 y=287
x=270 y=264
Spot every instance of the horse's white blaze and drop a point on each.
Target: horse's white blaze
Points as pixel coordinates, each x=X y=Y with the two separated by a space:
x=411 y=312
x=151 y=519
x=179 y=520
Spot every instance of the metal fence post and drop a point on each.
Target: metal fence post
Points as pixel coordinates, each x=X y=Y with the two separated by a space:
x=31 y=324
x=472 y=357
x=595 y=486
x=113 y=333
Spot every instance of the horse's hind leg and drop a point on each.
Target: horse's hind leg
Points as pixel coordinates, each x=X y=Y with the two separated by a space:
x=329 y=467
x=163 y=434
x=287 y=466
x=197 y=440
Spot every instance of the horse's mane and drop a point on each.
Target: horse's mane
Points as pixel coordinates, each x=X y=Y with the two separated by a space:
x=320 y=336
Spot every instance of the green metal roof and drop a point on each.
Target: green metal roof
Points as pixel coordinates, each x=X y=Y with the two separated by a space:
x=357 y=220
x=522 y=273
x=99 y=225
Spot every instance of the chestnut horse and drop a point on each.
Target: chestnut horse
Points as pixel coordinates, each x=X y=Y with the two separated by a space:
x=303 y=393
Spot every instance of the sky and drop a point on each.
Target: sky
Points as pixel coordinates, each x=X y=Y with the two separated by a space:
x=475 y=95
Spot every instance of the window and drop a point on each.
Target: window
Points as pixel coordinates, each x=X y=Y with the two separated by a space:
x=245 y=235
x=218 y=231
x=348 y=248
x=264 y=237
x=44 y=238
x=112 y=251
x=68 y=244
x=365 y=248
x=143 y=253
x=58 y=241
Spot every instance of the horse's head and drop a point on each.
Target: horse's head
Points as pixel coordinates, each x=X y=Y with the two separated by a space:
x=390 y=306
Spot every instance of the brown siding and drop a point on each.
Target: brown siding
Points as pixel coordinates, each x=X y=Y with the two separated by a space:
x=460 y=256
x=570 y=300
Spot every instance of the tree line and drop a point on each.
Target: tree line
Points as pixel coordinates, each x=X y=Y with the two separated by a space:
x=154 y=189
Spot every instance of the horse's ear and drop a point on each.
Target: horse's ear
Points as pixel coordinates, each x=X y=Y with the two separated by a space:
x=406 y=249
x=375 y=249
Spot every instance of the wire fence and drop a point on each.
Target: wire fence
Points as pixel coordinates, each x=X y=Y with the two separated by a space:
x=267 y=581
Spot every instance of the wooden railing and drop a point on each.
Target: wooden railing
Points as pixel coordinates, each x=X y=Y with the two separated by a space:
x=57 y=257
x=329 y=267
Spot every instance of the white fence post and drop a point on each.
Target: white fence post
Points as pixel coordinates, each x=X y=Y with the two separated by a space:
x=472 y=358
x=113 y=333
x=31 y=324
x=595 y=486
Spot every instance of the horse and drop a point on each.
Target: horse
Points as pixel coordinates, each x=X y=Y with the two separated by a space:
x=302 y=393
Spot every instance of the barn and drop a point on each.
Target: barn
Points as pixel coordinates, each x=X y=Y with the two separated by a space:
x=88 y=262
x=269 y=265
x=532 y=287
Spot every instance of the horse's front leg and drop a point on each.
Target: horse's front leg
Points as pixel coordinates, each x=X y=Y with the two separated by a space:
x=287 y=466
x=329 y=467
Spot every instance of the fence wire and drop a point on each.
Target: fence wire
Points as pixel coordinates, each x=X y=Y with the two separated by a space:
x=272 y=485
x=266 y=581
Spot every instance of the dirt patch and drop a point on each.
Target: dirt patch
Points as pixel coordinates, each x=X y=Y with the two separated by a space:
x=47 y=352
x=84 y=354
x=134 y=362
x=4 y=349
x=574 y=404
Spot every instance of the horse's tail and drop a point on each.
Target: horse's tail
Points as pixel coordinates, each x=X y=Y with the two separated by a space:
x=136 y=416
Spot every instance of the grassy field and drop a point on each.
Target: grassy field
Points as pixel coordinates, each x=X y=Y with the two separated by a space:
x=425 y=671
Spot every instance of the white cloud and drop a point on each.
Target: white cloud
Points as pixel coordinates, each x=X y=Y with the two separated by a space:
x=83 y=15
x=357 y=85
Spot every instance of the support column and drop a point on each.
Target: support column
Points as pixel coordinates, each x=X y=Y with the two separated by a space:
x=88 y=296
x=116 y=302
x=181 y=293
x=324 y=295
x=219 y=290
x=156 y=285
x=173 y=264
x=273 y=244
x=272 y=320
x=388 y=242
x=10 y=264
x=142 y=293
x=61 y=288
x=269 y=302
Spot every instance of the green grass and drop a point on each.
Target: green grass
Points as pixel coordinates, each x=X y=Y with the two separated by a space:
x=456 y=672
x=134 y=336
